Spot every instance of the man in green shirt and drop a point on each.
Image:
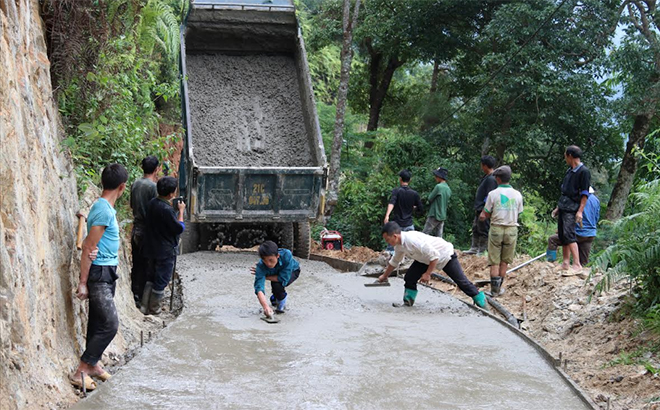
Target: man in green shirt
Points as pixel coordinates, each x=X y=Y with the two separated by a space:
x=438 y=200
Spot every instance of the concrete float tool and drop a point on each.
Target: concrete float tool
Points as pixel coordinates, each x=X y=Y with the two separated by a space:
x=377 y=283
x=270 y=319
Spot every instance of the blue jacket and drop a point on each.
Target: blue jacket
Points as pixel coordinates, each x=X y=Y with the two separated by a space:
x=590 y=216
x=286 y=264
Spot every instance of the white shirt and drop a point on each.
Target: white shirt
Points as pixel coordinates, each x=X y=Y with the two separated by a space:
x=422 y=248
x=504 y=204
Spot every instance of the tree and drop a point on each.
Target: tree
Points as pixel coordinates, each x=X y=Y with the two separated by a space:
x=348 y=25
x=637 y=63
x=545 y=97
x=395 y=33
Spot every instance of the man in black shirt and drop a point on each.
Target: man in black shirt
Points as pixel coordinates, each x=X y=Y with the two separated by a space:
x=164 y=226
x=574 y=195
x=480 y=228
x=143 y=190
x=403 y=202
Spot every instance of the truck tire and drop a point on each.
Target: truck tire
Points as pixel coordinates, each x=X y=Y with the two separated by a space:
x=286 y=236
x=303 y=240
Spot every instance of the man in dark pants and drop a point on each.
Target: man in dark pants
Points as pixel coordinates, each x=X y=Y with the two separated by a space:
x=142 y=191
x=480 y=228
x=573 y=199
x=584 y=234
x=428 y=253
x=164 y=226
x=98 y=277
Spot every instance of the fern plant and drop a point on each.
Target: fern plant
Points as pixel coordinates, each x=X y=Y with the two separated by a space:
x=635 y=254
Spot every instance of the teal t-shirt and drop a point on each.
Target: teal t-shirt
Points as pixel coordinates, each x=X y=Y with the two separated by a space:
x=103 y=214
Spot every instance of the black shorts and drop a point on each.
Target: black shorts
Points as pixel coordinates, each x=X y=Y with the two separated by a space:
x=566 y=228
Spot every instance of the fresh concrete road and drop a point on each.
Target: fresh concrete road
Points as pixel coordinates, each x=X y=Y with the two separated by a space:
x=340 y=346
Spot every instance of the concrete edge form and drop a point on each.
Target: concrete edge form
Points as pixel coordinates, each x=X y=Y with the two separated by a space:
x=339 y=264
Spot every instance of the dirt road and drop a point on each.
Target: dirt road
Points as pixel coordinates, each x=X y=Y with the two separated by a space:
x=340 y=346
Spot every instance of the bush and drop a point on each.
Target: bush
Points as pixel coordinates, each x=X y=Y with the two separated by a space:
x=115 y=64
x=636 y=252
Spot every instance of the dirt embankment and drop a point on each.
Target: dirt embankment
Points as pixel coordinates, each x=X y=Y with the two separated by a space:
x=593 y=335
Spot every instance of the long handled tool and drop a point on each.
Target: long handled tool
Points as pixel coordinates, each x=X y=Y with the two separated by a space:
x=526 y=263
x=81 y=223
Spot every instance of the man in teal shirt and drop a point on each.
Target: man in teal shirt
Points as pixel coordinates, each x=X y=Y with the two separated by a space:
x=438 y=200
x=98 y=277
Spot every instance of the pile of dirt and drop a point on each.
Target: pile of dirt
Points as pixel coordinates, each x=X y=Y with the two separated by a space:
x=360 y=254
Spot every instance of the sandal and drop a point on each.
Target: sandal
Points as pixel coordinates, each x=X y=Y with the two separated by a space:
x=105 y=376
x=77 y=382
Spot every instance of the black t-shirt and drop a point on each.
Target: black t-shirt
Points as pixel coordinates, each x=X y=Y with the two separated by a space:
x=404 y=199
x=163 y=230
x=576 y=183
x=488 y=183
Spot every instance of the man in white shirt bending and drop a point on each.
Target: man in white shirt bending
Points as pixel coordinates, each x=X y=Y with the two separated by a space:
x=428 y=253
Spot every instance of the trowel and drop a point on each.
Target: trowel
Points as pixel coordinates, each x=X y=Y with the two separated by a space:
x=377 y=283
x=270 y=319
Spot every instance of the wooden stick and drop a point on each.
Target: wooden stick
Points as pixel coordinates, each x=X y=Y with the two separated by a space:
x=79 y=235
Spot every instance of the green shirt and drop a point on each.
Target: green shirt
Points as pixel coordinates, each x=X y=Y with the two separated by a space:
x=438 y=200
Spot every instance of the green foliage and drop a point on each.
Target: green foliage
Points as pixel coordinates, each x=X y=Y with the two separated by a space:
x=534 y=231
x=113 y=104
x=636 y=252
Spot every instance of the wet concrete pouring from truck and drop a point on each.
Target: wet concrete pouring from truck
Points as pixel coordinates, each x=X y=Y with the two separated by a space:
x=246 y=111
x=340 y=345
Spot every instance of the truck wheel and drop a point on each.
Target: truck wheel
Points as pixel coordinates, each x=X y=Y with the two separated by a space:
x=286 y=236
x=303 y=240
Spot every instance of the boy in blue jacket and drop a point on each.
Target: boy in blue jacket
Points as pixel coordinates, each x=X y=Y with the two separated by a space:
x=280 y=268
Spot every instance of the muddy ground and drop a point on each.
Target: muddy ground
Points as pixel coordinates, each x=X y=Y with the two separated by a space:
x=592 y=335
x=339 y=346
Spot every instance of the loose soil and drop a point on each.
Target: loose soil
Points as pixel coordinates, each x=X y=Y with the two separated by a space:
x=591 y=335
x=353 y=254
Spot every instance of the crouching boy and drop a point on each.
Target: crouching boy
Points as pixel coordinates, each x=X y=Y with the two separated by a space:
x=280 y=268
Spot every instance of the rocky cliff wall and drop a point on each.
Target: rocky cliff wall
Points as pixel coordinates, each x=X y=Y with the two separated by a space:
x=41 y=323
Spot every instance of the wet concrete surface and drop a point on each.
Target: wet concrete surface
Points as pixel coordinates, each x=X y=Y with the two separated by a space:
x=246 y=111
x=340 y=346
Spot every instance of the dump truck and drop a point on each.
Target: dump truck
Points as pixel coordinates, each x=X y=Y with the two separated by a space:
x=253 y=166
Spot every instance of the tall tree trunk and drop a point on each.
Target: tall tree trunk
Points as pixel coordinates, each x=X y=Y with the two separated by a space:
x=379 y=89
x=338 y=135
x=624 y=181
x=379 y=86
x=434 y=77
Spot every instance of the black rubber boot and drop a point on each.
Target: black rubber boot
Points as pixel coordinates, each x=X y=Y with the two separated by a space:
x=144 y=305
x=473 y=247
x=154 y=302
x=495 y=285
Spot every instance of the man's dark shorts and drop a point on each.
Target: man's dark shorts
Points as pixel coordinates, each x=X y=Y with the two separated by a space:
x=566 y=228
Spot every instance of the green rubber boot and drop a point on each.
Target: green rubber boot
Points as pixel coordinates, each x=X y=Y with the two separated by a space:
x=480 y=300
x=409 y=297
